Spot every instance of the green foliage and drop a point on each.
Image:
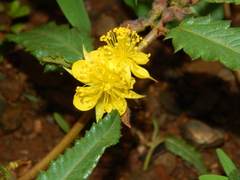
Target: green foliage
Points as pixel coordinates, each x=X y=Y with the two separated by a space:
x=212 y=177
x=61 y=122
x=140 y=8
x=203 y=9
x=76 y=14
x=226 y=162
x=17 y=11
x=31 y=97
x=4 y=174
x=228 y=166
x=208 y=39
x=78 y=162
x=187 y=152
x=235 y=174
x=17 y=28
x=223 y=1
x=50 y=39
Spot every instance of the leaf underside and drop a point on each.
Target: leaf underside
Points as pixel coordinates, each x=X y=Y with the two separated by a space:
x=208 y=39
x=50 y=39
x=78 y=161
x=187 y=152
x=235 y=174
x=222 y=1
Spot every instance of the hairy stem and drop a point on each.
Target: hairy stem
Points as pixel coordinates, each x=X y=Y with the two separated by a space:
x=157 y=31
x=59 y=148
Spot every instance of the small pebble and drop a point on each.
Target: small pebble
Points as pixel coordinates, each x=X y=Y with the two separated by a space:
x=201 y=135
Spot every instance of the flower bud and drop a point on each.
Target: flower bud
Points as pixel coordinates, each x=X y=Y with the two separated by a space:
x=136 y=25
x=172 y=13
x=157 y=9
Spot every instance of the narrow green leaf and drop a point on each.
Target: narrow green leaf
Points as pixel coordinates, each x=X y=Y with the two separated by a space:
x=212 y=177
x=234 y=175
x=187 y=152
x=31 y=97
x=226 y=162
x=61 y=122
x=208 y=39
x=76 y=14
x=78 y=162
x=49 y=39
x=223 y=1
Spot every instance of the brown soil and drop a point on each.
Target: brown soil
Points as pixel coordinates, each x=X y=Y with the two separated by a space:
x=186 y=90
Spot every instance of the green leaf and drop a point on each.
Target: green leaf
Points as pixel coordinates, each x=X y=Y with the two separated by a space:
x=223 y=1
x=13 y=7
x=208 y=39
x=31 y=97
x=212 y=177
x=76 y=14
x=187 y=152
x=61 y=122
x=235 y=174
x=49 y=39
x=17 y=11
x=20 y=12
x=78 y=162
x=226 y=162
x=141 y=9
x=52 y=68
x=17 y=28
x=203 y=9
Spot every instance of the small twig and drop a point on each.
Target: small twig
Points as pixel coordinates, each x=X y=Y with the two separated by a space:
x=59 y=148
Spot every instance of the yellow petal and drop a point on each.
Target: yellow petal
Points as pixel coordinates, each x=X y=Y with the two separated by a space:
x=99 y=109
x=85 y=53
x=91 y=56
x=80 y=70
x=140 y=57
x=116 y=103
x=140 y=72
x=126 y=93
x=85 y=98
x=127 y=75
x=133 y=95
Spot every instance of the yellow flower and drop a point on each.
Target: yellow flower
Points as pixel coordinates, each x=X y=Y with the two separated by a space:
x=122 y=45
x=105 y=86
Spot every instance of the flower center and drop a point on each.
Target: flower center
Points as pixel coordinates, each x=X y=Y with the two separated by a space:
x=106 y=87
x=121 y=42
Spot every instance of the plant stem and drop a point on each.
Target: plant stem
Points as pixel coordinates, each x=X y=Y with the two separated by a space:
x=155 y=141
x=157 y=31
x=148 y=158
x=59 y=148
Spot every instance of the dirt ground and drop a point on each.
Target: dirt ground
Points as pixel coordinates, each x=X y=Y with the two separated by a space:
x=186 y=90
